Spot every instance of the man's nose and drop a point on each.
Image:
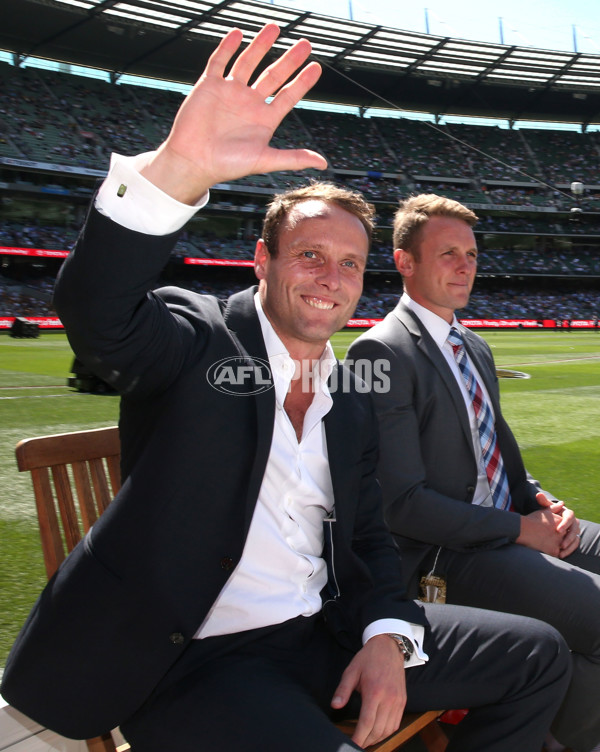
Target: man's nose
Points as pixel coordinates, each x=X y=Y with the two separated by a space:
x=329 y=275
x=466 y=263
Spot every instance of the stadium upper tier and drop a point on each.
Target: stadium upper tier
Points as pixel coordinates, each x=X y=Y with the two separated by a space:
x=77 y=122
x=364 y=64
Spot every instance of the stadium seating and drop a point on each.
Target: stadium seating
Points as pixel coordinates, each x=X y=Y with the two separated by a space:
x=526 y=229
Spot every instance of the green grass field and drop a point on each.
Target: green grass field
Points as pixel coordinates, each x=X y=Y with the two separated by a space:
x=555 y=415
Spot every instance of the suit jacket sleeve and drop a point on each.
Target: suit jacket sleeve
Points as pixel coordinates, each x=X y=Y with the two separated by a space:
x=425 y=497
x=122 y=330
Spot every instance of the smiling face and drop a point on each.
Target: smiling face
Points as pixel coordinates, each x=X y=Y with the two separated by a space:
x=442 y=277
x=311 y=287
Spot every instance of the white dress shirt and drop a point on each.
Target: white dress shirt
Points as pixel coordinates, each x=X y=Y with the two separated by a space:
x=282 y=571
x=439 y=329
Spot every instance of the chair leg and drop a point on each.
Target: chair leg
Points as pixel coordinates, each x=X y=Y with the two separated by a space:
x=102 y=743
x=433 y=737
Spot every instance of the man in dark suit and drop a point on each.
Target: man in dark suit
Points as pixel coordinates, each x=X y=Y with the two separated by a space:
x=242 y=588
x=483 y=527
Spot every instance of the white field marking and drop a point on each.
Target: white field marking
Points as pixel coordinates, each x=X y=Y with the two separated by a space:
x=38 y=396
x=532 y=363
x=567 y=391
x=43 y=386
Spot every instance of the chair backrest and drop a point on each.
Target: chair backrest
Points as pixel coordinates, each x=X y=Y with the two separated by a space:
x=75 y=477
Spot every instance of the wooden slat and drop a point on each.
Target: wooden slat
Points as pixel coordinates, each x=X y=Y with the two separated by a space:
x=52 y=544
x=100 y=485
x=85 y=496
x=66 y=506
x=114 y=473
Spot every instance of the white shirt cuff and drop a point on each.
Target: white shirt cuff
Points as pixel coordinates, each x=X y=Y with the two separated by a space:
x=414 y=632
x=133 y=202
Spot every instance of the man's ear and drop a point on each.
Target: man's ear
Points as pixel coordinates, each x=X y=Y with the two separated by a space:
x=261 y=258
x=404 y=262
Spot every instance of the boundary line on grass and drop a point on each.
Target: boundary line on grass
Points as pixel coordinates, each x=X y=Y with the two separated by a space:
x=531 y=364
x=43 y=386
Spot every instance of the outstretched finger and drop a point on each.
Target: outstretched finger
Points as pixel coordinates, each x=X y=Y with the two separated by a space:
x=289 y=95
x=273 y=77
x=225 y=50
x=248 y=60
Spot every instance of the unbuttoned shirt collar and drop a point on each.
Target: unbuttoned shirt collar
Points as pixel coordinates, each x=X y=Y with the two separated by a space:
x=283 y=368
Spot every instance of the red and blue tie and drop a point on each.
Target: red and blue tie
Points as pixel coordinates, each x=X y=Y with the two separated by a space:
x=492 y=459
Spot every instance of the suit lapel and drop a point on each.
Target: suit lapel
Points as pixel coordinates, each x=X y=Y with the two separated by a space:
x=242 y=320
x=339 y=432
x=425 y=343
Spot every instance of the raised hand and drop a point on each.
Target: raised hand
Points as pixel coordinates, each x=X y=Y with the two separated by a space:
x=223 y=128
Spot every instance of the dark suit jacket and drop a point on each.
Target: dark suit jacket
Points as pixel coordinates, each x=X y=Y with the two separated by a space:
x=427 y=466
x=129 y=599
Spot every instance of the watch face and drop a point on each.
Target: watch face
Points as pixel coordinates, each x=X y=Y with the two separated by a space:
x=409 y=648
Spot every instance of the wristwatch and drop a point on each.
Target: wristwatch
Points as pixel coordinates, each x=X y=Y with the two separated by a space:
x=405 y=646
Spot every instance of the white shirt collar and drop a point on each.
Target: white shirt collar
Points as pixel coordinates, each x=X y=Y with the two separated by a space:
x=437 y=327
x=280 y=359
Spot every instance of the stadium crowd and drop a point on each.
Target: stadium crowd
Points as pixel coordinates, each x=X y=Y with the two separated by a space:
x=31 y=296
x=77 y=122
x=544 y=258
x=98 y=117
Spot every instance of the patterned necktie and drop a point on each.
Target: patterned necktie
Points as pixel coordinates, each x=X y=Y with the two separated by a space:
x=492 y=460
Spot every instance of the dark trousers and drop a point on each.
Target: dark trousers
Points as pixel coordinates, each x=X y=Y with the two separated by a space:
x=269 y=690
x=563 y=593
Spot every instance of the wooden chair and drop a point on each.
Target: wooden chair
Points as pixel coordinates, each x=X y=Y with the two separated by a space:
x=75 y=476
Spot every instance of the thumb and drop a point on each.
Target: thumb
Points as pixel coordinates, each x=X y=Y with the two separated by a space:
x=293 y=159
x=543 y=500
x=344 y=689
x=555 y=505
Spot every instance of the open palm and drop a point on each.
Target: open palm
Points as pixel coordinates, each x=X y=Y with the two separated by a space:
x=223 y=128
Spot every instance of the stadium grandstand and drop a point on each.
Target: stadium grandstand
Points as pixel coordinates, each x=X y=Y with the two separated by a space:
x=74 y=87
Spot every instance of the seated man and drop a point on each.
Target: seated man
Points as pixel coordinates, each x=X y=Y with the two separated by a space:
x=456 y=494
x=242 y=588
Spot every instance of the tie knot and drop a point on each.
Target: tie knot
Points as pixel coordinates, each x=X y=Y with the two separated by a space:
x=455 y=338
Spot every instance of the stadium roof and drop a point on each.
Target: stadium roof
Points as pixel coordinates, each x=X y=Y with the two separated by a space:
x=366 y=65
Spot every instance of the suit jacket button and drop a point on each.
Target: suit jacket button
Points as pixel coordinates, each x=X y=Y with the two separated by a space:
x=177 y=638
x=227 y=563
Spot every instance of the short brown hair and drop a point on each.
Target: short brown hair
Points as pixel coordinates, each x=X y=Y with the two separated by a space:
x=415 y=212
x=351 y=201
